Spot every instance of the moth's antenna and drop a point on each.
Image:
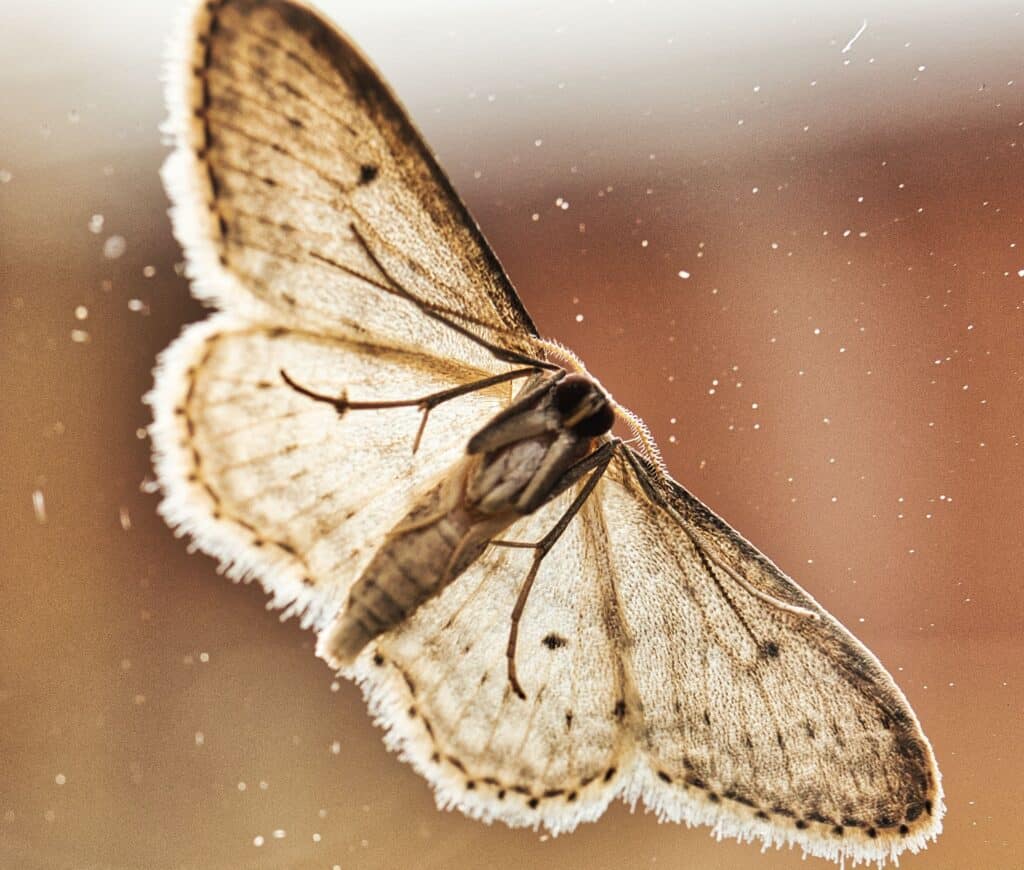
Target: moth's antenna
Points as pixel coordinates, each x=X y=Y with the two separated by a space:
x=642 y=434
x=559 y=350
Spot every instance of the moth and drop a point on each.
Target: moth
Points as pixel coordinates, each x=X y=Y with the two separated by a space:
x=541 y=618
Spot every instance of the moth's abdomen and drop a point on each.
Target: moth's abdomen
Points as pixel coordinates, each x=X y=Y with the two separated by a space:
x=422 y=555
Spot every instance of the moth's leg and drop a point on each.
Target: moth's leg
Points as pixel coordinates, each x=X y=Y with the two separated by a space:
x=426 y=404
x=652 y=492
x=596 y=463
x=501 y=353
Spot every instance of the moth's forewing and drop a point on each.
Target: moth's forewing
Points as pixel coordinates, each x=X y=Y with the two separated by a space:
x=291 y=150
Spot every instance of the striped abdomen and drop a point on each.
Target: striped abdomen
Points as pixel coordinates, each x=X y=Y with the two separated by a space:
x=439 y=539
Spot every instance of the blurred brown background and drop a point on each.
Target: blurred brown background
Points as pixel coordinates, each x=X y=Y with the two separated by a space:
x=840 y=376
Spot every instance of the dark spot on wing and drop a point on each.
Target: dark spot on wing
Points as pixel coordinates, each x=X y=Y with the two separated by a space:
x=554 y=641
x=770 y=650
x=914 y=811
x=367 y=173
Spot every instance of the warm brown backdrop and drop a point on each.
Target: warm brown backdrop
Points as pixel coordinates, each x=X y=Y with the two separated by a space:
x=881 y=466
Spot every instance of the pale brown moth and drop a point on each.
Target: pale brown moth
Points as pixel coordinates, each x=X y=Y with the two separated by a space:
x=539 y=616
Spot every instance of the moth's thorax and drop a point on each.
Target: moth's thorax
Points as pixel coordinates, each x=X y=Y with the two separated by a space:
x=501 y=476
x=528 y=447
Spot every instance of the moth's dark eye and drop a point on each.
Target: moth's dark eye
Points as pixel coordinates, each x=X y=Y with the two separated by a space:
x=598 y=423
x=583 y=406
x=570 y=391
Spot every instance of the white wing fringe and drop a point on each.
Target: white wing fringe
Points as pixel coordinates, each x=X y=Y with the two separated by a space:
x=185 y=506
x=389 y=700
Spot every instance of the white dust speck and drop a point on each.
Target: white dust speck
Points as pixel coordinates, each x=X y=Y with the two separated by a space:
x=39 y=506
x=148 y=271
x=683 y=274
x=200 y=738
x=257 y=841
x=96 y=224
x=114 y=247
x=535 y=217
x=79 y=336
x=279 y=834
x=138 y=306
x=60 y=779
x=81 y=312
x=336 y=747
x=241 y=786
x=125 y=518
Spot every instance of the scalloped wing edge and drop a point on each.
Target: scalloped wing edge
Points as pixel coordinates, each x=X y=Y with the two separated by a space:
x=188 y=510
x=391 y=703
x=191 y=217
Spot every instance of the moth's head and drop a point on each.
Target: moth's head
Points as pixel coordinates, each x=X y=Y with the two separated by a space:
x=583 y=406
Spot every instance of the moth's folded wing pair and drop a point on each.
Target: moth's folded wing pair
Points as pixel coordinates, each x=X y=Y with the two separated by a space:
x=304 y=200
